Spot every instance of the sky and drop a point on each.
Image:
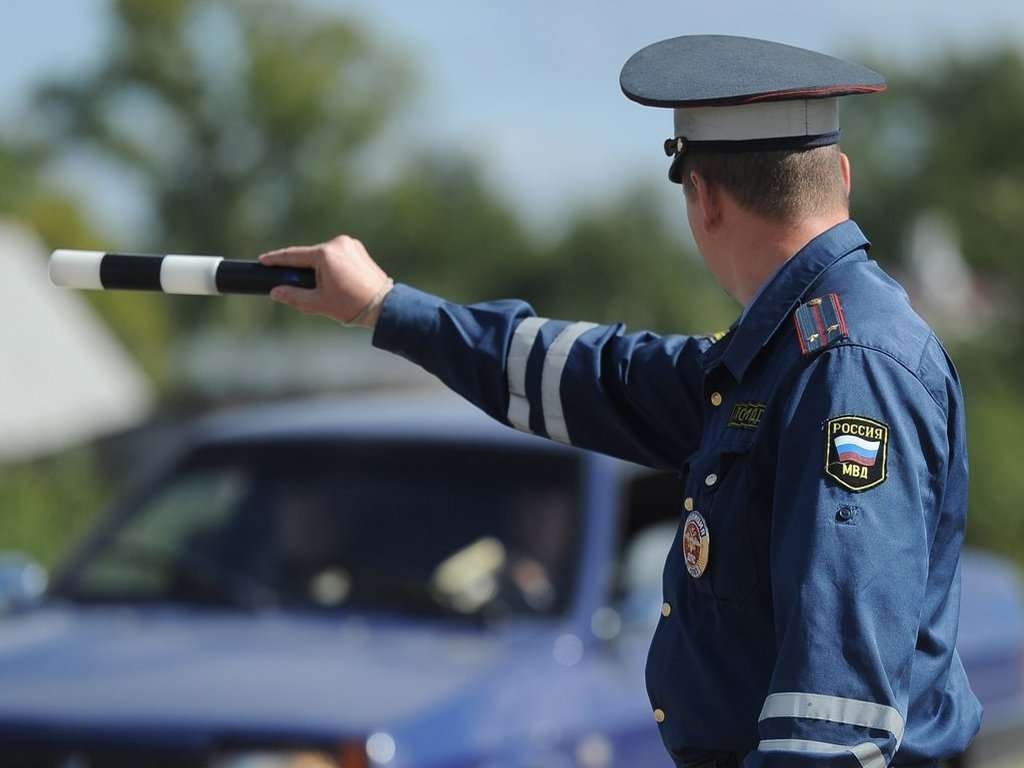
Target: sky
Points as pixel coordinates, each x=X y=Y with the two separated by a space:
x=531 y=87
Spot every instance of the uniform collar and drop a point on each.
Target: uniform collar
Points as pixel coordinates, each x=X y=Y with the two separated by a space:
x=782 y=294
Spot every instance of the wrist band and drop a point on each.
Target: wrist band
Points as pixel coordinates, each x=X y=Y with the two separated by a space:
x=376 y=301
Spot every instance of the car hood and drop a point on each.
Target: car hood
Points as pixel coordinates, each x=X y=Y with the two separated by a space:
x=151 y=671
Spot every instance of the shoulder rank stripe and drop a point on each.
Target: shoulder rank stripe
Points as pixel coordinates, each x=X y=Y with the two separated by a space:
x=820 y=322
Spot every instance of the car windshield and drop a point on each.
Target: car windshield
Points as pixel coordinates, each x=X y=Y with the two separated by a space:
x=452 y=530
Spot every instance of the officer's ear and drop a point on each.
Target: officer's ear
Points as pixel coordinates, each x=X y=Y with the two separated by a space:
x=844 y=166
x=706 y=199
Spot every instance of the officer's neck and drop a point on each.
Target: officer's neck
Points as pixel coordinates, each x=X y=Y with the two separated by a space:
x=755 y=248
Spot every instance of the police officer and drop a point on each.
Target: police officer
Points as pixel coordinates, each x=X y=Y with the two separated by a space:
x=812 y=593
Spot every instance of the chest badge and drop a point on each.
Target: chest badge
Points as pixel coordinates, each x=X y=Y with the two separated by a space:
x=696 y=544
x=746 y=415
x=857 y=452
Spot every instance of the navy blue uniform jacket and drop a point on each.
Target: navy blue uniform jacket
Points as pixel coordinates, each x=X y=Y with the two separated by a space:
x=822 y=442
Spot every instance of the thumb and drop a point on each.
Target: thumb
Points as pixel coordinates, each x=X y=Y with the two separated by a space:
x=296 y=298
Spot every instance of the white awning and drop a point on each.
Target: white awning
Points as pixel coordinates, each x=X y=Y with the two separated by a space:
x=64 y=377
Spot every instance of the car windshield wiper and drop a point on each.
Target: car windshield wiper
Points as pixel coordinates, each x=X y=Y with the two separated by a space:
x=206 y=576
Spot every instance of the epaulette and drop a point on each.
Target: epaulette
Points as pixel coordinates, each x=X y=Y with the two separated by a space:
x=820 y=322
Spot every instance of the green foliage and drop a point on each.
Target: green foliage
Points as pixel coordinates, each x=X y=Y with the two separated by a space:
x=141 y=320
x=243 y=122
x=624 y=263
x=24 y=196
x=49 y=504
x=248 y=126
x=944 y=140
x=441 y=228
x=996 y=419
x=262 y=143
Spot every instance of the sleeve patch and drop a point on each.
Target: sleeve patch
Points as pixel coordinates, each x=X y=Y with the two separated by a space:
x=856 y=452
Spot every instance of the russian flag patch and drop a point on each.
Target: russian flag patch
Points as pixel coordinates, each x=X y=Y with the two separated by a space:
x=857 y=451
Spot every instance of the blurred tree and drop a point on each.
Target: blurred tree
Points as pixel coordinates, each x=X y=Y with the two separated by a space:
x=49 y=504
x=441 y=228
x=29 y=197
x=26 y=197
x=626 y=263
x=943 y=143
x=249 y=125
x=242 y=121
x=942 y=140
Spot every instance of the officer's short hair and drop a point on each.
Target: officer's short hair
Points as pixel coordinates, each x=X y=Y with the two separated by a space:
x=783 y=185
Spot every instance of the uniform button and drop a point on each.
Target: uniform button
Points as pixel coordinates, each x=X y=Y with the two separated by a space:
x=666 y=610
x=710 y=479
x=659 y=715
x=716 y=399
x=688 y=503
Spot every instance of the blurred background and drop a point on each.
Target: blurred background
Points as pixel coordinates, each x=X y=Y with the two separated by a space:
x=480 y=151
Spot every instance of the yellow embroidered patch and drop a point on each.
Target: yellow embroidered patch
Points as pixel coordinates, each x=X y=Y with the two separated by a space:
x=746 y=415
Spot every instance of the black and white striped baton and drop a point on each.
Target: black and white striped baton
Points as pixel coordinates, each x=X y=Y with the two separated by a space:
x=194 y=275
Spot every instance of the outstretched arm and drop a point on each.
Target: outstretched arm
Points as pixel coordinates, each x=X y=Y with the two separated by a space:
x=636 y=396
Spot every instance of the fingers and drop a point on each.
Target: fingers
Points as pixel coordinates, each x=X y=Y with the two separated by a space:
x=347 y=278
x=295 y=256
x=301 y=299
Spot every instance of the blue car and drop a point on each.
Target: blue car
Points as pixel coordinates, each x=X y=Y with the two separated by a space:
x=377 y=583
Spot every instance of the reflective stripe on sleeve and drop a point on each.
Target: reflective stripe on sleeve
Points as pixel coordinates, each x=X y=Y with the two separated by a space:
x=867 y=754
x=836 y=710
x=515 y=370
x=551 y=380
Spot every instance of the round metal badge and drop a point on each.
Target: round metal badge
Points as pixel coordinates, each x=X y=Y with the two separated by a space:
x=696 y=544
